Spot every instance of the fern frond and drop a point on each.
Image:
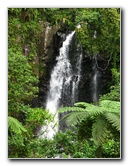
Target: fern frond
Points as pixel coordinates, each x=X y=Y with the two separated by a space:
x=15 y=126
x=99 y=130
x=110 y=106
x=82 y=110
x=83 y=104
x=114 y=119
x=67 y=109
x=75 y=118
x=94 y=110
x=77 y=114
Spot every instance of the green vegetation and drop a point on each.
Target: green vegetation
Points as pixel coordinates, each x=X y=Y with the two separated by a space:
x=104 y=119
x=96 y=128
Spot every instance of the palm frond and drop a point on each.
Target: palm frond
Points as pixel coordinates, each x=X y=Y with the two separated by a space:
x=15 y=126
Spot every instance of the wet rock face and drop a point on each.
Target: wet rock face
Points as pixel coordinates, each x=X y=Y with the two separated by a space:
x=86 y=88
x=47 y=50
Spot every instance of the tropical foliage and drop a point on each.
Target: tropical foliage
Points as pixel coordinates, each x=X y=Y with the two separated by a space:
x=102 y=114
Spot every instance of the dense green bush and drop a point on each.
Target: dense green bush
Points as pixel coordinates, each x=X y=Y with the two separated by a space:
x=23 y=120
x=68 y=145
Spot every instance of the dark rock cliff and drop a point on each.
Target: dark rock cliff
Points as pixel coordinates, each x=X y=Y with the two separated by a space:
x=85 y=85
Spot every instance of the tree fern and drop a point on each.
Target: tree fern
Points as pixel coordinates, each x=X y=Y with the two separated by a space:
x=114 y=119
x=87 y=108
x=106 y=112
x=74 y=118
x=90 y=108
x=83 y=104
x=94 y=110
x=15 y=126
x=99 y=130
x=67 y=109
x=110 y=106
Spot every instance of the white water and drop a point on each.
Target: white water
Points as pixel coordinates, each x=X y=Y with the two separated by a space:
x=61 y=74
x=75 y=82
x=95 y=76
x=95 y=83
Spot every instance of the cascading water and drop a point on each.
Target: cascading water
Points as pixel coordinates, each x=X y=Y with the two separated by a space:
x=77 y=75
x=95 y=76
x=63 y=83
x=95 y=82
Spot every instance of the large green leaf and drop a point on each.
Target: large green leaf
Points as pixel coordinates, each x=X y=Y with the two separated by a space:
x=90 y=108
x=15 y=126
x=114 y=119
x=67 y=109
x=110 y=106
x=99 y=130
x=76 y=117
x=83 y=104
x=109 y=109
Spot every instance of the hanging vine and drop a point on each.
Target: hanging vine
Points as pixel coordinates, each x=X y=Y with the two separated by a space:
x=97 y=65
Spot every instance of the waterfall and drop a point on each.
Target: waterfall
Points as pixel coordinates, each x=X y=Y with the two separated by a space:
x=77 y=76
x=64 y=81
x=63 y=84
x=95 y=76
